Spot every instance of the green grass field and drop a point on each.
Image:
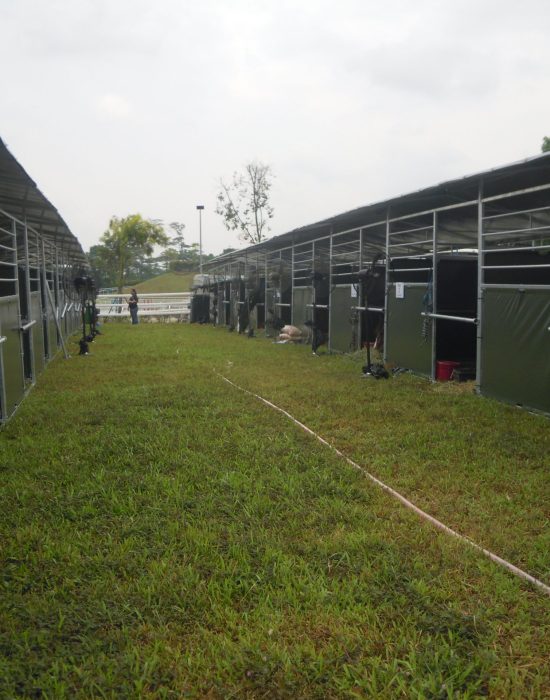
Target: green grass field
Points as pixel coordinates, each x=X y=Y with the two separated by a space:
x=167 y=282
x=165 y=535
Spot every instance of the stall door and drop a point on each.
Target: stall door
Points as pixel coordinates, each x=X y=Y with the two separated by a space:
x=515 y=350
x=37 y=333
x=343 y=326
x=13 y=379
x=408 y=341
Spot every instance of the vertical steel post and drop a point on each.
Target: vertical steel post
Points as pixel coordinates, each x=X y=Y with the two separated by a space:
x=200 y=241
x=359 y=298
x=292 y=284
x=387 y=283
x=3 y=339
x=329 y=344
x=434 y=294
x=17 y=292
x=3 y=400
x=29 y=304
x=44 y=301
x=200 y=207
x=64 y=271
x=56 y=294
x=480 y=291
x=266 y=285
x=313 y=270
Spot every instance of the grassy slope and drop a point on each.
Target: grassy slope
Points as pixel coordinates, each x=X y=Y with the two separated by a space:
x=186 y=539
x=167 y=282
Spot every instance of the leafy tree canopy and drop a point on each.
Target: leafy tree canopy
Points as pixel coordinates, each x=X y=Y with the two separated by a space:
x=545 y=144
x=125 y=241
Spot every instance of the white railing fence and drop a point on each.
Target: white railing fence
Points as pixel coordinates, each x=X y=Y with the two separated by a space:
x=174 y=304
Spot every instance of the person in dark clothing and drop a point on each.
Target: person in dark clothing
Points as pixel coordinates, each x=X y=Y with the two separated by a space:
x=133 y=306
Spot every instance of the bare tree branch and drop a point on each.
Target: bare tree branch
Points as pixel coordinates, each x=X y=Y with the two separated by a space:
x=244 y=204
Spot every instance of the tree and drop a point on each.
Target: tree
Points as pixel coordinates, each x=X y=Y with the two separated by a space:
x=100 y=269
x=178 y=240
x=169 y=257
x=545 y=144
x=244 y=203
x=126 y=241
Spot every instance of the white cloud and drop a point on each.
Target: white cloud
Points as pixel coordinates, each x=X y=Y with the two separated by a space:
x=111 y=106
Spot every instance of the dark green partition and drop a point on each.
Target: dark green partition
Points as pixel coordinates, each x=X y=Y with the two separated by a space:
x=515 y=350
x=14 y=380
x=405 y=345
x=341 y=329
x=37 y=333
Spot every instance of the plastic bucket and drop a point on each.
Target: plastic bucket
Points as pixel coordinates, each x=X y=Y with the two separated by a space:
x=444 y=369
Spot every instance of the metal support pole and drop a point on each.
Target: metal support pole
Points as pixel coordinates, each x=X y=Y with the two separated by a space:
x=386 y=291
x=313 y=270
x=265 y=295
x=27 y=326
x=293 y=251
x=359 y=291
x=44 y=302
x=330 y=293
x=447 y=317
x=17 y=292
x=434 y=295
x=200 y=208
x=3 y=397
x=56 y=292
x=3 y=401
x=480 y=281
x=29 y=319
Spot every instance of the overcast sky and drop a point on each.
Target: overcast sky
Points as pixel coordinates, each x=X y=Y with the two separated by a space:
x=124 y=106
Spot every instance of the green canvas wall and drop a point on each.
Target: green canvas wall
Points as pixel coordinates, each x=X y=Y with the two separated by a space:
x=11 y=354
x=405 y=346
x=341 y=330
x=515 y=352
x=37 y=333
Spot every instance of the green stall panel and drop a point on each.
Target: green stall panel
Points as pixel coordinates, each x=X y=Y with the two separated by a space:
x=52 y=331
x=271 y=312
x=301 y=313
x=37 y=333
x=233 y=310
x=253 y=319
x=515 y=349
x=341 y=326
x=405 y=345
x=223 y=310
x=14 y=379
x=221 y=313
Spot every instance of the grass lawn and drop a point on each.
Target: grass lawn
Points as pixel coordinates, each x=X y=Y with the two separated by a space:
x=164 y=535
x=167 y=282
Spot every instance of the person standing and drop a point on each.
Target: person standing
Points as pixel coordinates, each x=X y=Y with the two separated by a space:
x=133 y=306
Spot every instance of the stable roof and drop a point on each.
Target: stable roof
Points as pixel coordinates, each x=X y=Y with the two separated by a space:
x=21 y=199
x=511 y=178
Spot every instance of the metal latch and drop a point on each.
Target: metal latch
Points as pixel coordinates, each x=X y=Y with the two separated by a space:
x=26 y=326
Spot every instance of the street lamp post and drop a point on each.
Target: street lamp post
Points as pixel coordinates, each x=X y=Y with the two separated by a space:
x=200 y=207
